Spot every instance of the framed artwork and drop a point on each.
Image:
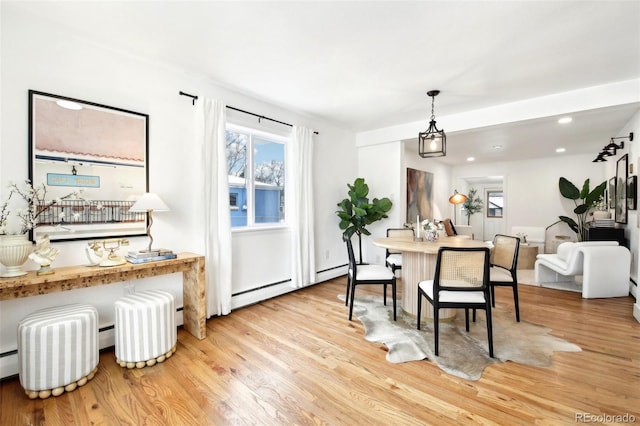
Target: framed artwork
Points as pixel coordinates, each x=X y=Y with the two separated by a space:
x=91 y=163
x=419 y=195
x=632 y=184
x=612 y=193
x=621 y=193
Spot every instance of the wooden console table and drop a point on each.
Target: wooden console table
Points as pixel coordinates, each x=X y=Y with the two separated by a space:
x=73 y=277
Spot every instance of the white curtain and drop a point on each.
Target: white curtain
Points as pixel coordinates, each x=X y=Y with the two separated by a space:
x=303 y=264
x=211 y=120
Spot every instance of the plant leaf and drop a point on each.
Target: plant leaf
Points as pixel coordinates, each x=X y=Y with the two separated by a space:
x=581 y=209
x=572 y=223
x=568 y=189
x=595 y=195
x=585 y=189
x=358 y=212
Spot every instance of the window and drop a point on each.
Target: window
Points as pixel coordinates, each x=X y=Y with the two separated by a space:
x=233 y=200
x=256 y=166
x=495 y=203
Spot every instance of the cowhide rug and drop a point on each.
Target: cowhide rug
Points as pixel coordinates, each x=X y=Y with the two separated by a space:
x=462 y=354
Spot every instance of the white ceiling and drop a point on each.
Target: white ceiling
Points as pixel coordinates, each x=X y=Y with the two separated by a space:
x=368 y=64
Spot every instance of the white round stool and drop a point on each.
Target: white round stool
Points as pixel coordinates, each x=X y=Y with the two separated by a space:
x=57 y=349
x=145 y=328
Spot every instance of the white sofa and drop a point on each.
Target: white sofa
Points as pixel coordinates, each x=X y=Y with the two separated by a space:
x=604 y=266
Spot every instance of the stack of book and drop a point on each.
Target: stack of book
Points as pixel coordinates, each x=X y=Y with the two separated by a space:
x=604 y=223
x=149 y=256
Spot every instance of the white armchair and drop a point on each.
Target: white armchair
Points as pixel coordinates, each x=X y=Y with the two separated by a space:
x=604 y=266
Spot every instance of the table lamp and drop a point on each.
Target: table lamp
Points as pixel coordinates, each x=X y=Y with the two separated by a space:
x=149 y=203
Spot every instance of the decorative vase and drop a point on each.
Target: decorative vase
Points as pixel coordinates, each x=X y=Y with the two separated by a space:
x=431 y=235
x=14 y=253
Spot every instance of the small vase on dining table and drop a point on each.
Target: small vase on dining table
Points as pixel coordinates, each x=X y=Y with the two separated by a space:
x=431 y=235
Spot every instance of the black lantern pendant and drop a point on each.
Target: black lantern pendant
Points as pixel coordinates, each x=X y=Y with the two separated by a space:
x=432 y=142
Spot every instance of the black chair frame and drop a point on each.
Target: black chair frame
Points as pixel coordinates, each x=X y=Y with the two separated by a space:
x=437 y=304
x=392 y=266
x=514 y=275
x=353 y=281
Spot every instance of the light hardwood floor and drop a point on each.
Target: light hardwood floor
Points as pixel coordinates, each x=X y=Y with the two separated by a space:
x=296 y=359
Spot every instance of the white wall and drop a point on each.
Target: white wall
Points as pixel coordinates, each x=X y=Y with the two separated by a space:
x=632 y=229
x=40 y=56
x=531 y=190
x=379 y=166
x=384 y=167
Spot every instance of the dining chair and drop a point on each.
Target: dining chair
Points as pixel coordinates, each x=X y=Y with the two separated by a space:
x=367 y=274
x=393 y=258
x=503 y=267
x=461 y=281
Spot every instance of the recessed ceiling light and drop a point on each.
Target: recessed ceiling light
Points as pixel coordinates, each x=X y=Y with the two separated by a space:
x=565 y=120
x=560 y=150
x=69 y=105
x=497 y=147
x=471 y=159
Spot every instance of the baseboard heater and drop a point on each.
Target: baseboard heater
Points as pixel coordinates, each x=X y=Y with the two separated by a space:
x=262 y=287
x=267 y=291
x=333 y=268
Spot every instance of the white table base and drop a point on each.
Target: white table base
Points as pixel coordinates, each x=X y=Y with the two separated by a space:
x=418 y=267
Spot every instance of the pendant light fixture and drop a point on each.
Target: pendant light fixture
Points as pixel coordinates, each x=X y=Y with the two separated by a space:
x=432 y=142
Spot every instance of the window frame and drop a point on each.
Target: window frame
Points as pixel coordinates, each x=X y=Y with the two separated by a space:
x=488 y=204
x=250 y=174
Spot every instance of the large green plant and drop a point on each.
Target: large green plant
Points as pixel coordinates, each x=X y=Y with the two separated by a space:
x=357 y=212
x=584 y=200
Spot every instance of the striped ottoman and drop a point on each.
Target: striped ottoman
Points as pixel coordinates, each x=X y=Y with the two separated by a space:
x=57 y=349
x=145 y=328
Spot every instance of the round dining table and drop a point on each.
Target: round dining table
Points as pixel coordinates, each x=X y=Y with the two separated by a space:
x=419 y=264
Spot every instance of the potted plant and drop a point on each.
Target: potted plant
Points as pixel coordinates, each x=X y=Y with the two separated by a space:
x=357 y=211
x=584 y=200
x=473 y=204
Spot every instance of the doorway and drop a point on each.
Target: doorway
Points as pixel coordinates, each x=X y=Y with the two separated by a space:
x=490 y=220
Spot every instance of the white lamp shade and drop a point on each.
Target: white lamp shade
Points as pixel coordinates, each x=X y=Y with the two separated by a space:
x=149 y=202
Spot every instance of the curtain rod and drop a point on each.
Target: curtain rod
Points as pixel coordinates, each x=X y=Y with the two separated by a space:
x=260 y=117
